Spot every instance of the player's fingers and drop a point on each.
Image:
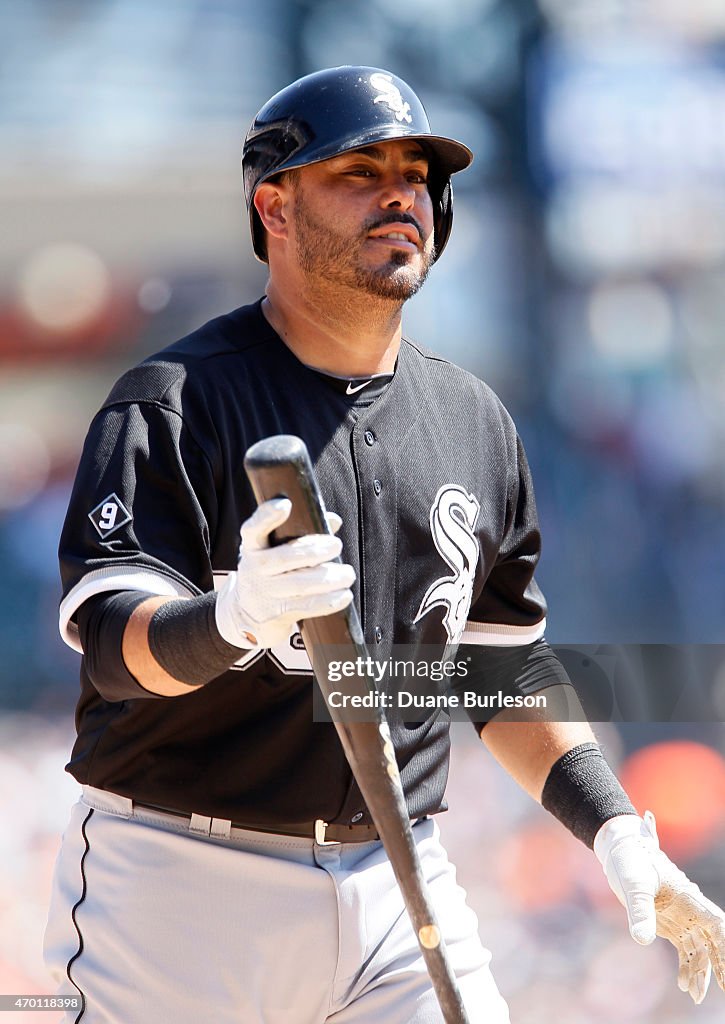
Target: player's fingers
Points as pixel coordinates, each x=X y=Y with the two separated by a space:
x=701 y=983
x=717 y=959
x=691 y=912
x=683 y=974
x=321 y=579
x=715 y=940
x=714 y=932
x=698 y=965
x=266 y=517
x=302 y=553
x=317 y=605
x=334 y=521
x=277 y=631
x=694 y=973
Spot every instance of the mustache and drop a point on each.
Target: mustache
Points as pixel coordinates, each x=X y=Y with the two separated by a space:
x=394 y=218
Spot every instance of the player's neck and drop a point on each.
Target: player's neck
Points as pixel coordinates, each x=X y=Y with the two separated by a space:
x=351 y=335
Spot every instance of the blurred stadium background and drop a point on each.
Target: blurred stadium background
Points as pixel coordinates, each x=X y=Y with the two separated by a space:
x=585 y=281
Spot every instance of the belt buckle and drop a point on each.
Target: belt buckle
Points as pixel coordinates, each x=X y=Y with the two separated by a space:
x=320 y=829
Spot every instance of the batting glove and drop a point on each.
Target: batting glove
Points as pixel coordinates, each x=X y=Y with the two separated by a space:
x=274 y=587
x=661 y=900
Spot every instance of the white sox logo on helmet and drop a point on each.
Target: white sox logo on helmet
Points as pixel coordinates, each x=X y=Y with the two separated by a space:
x=390 y=94
x=453 y=518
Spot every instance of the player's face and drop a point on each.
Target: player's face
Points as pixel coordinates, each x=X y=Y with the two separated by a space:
x=365 y=219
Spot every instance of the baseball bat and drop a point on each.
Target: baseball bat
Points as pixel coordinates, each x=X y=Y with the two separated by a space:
x=280 y=466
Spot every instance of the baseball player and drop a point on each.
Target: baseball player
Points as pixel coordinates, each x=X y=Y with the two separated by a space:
x=221 y=864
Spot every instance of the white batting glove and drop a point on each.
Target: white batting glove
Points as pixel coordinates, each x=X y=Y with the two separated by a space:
x=274 y=587
x=661 y=900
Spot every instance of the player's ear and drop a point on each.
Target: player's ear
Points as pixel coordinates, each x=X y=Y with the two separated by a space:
x=271 y=203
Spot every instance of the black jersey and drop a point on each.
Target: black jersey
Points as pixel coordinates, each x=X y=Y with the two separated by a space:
x=439 y=523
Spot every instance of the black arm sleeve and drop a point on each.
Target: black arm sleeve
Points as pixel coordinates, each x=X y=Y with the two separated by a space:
x=183 y=638
x=101 y=622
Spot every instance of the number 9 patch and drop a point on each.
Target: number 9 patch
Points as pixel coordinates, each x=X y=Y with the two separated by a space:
x=110 y=515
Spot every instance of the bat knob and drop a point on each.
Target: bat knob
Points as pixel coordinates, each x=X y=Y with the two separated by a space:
x=282 y=449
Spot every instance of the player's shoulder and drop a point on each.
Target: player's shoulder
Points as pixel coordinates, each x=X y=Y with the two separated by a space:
x=199 y=359
x=452 y=384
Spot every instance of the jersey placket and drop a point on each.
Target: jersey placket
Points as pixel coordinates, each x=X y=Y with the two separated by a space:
x=377 y=522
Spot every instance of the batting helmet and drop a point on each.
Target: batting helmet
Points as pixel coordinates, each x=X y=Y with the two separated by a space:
x=336 y=110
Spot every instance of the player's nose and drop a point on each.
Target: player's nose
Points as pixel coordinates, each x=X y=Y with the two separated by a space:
x=397 y=192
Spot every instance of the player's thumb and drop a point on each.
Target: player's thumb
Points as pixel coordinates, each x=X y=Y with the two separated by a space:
x=334 y=521
x=641 y=915
x=266 y=518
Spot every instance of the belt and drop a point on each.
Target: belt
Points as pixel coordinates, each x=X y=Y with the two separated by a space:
x=318 y=830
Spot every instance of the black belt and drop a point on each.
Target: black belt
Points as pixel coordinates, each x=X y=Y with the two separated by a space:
x=318 y=830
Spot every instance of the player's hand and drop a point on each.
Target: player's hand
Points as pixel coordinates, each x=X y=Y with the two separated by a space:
x=274 y=587
x=661 y=900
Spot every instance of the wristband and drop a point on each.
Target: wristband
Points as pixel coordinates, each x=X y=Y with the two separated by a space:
x=583 y=792
x=185 y=640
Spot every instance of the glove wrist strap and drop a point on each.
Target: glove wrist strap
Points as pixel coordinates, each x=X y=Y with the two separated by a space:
x=623 y=826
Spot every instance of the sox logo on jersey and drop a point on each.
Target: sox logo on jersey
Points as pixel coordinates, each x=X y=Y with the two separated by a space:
x=453 y=518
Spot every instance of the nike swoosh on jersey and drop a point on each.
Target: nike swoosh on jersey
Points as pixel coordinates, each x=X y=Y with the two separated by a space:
x=350 y=390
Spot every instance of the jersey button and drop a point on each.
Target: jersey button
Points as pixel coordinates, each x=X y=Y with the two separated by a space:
x=377 y=486
x=369 y=437
x=378 y=634
x=356 y=817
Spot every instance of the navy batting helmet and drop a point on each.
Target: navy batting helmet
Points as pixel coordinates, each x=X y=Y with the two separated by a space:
x=336 y=110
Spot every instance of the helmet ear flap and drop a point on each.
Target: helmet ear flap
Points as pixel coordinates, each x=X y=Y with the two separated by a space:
x=441 y=194
x=259 y=235
x=442 y=216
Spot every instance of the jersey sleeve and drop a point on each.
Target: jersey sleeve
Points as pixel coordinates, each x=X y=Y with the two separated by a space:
x=141 y=511
x=511 y=610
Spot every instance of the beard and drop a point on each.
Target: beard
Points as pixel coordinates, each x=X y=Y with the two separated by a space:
x=323 y=253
